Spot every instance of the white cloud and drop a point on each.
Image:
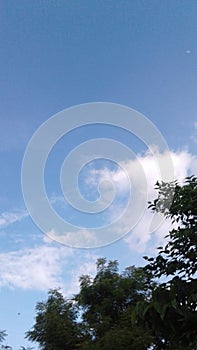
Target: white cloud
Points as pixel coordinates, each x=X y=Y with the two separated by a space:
x=46 y=267
x=183 y=163
x=145 y=231
x=135 y=220
x=51 y=266
x=7 y=218
x=142 y=240
x=81 y=238
x=36 y=268
x=97 y=176
x=59 y=200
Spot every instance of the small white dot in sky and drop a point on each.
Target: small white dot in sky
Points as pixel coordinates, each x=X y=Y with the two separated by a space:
x=188 y=51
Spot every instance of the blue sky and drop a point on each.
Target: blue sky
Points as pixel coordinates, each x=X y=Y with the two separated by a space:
x=58 y=54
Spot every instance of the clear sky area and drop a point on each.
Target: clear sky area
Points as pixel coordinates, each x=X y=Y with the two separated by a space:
x=55 y=55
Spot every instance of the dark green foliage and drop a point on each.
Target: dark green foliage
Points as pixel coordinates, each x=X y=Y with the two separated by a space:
x=171 y=313
x=55 y=327
x=99 y=316
x=3 y=335
x=107 y=302
x=179 y=255
x=127 y=311
x=171 y=316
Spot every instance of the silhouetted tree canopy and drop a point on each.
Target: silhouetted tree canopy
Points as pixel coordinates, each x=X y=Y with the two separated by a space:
x=99 y=316
x=171 y=313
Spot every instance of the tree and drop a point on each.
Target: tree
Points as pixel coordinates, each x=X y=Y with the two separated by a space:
x=106 y=302
x=55 y=327
x=3 y=335
x=179 y=255
x=164 y=316
x=171 y=313
x=99 y=316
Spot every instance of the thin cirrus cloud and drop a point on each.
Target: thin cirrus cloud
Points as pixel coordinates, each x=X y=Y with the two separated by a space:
x=7 y=218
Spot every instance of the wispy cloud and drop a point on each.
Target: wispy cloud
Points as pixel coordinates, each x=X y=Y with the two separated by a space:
x=45 y=267
x=37 y=268
x=193 y=137
x=81 y=238
x=58 y=199
x=7 y=218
